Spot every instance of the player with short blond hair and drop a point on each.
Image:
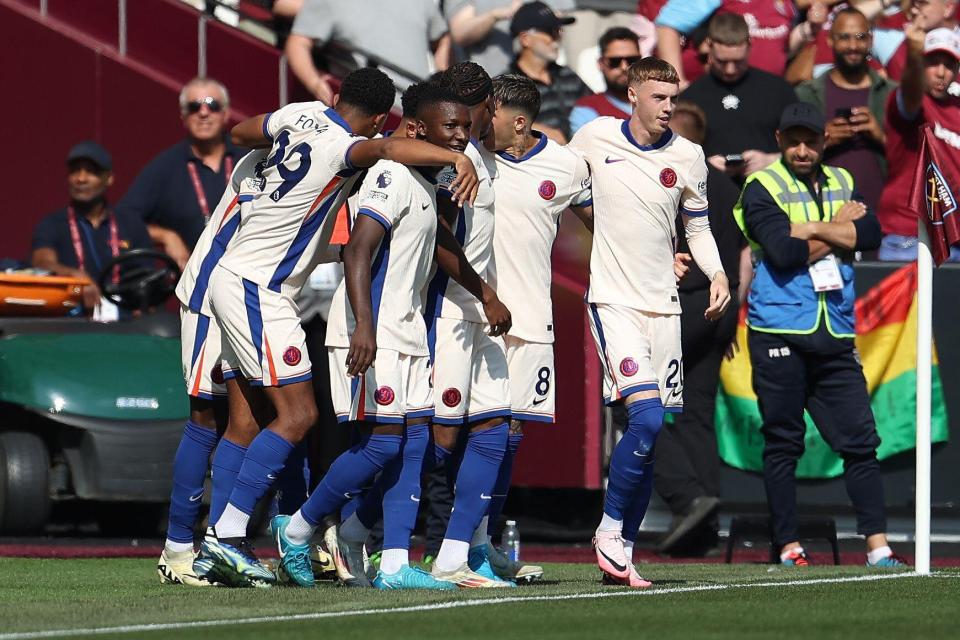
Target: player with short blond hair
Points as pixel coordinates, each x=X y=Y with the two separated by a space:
x=643 y=175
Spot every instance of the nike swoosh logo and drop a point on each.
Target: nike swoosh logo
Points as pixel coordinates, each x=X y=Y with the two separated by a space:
x=639 y=455
x=425 y=206
x=540 y=401
x=618 y=567
x=348 y=496
x=270 y=476
x=414 y=498
x=610 y=160
x=483 y=497
x=195 y=498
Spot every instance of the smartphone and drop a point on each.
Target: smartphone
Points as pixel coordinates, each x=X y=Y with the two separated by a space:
x=844 y=112
x=733 y=159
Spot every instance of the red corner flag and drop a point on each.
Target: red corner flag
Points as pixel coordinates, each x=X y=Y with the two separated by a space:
x=932 y=196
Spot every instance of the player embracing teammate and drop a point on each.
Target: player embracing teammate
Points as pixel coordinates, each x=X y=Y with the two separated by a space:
x=407 y=349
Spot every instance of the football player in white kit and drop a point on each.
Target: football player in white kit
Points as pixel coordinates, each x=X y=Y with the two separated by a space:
x=379 y=361
x=537 y=179
x=470 y=376
x=200 y=357
x=642 y=176
x=315 y=158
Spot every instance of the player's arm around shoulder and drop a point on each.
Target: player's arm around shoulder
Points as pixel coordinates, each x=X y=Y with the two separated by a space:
x=409 y=151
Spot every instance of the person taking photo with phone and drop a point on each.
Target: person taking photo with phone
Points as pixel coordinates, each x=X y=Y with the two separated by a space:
x=855 y=96
x=742 y=103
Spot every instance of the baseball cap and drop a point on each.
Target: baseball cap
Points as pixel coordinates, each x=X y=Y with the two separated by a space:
x=801 y=114
x=942 y=39
x=537 y=15
x=90 y=150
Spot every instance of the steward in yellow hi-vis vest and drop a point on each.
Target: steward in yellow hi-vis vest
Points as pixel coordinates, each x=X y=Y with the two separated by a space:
x=805 y=221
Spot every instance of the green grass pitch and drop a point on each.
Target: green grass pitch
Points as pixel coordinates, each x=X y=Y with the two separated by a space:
x=63 y=598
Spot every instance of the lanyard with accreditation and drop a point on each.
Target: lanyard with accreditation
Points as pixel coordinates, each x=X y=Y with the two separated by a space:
x=78 y=243
x=198 y=186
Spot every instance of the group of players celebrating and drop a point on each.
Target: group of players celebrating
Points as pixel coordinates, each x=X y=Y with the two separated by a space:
x=440 y=337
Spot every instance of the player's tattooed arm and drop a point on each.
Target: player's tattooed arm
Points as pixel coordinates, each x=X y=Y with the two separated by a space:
x=249 y=133
x=450 y=258
x=420 y=153
x=358 y=253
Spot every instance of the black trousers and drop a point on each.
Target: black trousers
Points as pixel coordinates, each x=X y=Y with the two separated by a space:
x=688 y=465
x=823 y=375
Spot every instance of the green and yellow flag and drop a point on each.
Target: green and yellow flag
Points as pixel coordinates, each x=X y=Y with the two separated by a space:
x=886 y=319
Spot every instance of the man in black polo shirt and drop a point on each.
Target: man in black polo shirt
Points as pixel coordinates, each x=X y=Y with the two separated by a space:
x=537 y=30
x=80 y=239
x=176 y=192
x=742 y=104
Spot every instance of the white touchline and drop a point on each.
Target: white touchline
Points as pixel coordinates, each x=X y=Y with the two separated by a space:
x=458 y=604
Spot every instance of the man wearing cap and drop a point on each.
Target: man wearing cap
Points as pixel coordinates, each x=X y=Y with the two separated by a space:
x=537 y=30
x=804 y=220
x=921 y=100
x=81 y=238
x=175 y=194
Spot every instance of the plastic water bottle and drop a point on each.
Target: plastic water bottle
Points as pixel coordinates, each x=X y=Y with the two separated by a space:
x=510 y=541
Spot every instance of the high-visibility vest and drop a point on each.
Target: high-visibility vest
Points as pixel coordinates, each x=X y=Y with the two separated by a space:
x=784 y=301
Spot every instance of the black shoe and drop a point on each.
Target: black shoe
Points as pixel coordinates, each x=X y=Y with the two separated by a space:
x=700 y=509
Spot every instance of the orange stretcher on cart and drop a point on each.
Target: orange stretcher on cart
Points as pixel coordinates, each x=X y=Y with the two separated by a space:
x=29 y=294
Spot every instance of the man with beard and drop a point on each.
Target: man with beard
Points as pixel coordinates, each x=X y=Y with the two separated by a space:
x=804 y=221
x=855 y=95
x=619 y=49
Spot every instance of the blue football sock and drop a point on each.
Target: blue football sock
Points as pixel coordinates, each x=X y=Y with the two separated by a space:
x=261 y=467
x=434 y=456
x=348 y=474
x=293 y=481
x=478 y=473
x=401 y=497
x=189 y=471
x=502 y=486
x=634 y=513
x=227 y=460
x=628 y=463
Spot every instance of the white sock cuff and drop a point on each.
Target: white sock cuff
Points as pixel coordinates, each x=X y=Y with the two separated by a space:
x=876 y=555
x=177 y=547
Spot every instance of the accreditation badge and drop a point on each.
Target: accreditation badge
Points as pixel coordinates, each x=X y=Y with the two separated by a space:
x=825 y=274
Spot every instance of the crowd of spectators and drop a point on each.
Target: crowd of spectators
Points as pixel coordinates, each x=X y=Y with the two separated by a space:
x=740 y=61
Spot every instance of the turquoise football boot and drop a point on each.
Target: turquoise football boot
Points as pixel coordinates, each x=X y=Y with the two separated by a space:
x=411 y=578
x=295 y=567
x=479 y=562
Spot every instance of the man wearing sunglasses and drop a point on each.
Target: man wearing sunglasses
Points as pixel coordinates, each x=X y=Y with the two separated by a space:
x=619 y=49
x=176 y=192
x=537 y=30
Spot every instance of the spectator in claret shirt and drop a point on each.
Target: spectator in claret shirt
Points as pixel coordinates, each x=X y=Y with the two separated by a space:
x=922 y=99
x=618 y=50
x=891 y=45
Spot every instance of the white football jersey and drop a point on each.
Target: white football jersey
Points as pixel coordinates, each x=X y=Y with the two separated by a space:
x=474 y=231
x=637 y=192
x=245 y=182
x=404 y=201
x=532 y=192
x=307 y=178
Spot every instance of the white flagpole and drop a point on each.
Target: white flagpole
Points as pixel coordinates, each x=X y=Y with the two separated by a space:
x=924 y=363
